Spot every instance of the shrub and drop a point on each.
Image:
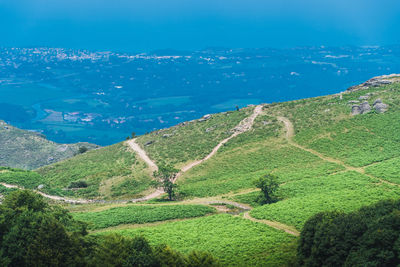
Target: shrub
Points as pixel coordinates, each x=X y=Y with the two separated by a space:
x=78 y=184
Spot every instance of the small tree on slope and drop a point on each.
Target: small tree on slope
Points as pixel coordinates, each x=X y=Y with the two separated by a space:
x=268 y=185
x=166 y=176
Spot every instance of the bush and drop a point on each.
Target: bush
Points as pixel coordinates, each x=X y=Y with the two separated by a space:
x=78 y=184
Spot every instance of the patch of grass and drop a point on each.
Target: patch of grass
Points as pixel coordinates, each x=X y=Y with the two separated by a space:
x=325 y=125
x=26 y=179
x=111 y=171
x=192 y=141
x=248 y=198
x=139 y=214
x=388 y=170
x=235 y=241
x=237 y=168
x=344 y=191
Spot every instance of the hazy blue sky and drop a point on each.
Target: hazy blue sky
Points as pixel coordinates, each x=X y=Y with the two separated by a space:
x=190 y=24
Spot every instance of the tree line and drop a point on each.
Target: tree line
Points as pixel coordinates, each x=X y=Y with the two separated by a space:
x=34 y=233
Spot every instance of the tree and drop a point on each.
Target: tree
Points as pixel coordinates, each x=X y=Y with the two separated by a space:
x=268 y=185
x=367 y=237
x=33 y=233
x=133 y=135
x=201 y=259
x=82 y=149
x=165 y=178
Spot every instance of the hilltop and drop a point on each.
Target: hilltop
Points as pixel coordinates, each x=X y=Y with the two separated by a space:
x=335 y=152
x=30 y=150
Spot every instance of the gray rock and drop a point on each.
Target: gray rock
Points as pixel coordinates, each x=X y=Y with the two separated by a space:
x=210 y=129
x=364 y=97
x=205 y=117
x=381 y=107
x=355 y=110
x=266 y=122
x=353 y=101
x=365 y=107
x=377 y=101
x=149 y=143
x=40 y=186
x=167 y=135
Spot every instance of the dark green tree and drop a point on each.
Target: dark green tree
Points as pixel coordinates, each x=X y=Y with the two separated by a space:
x=165 y=178
x=367 y=237
x=201 y=259
x=36 y=234
x=268 y=185
x=82 y=149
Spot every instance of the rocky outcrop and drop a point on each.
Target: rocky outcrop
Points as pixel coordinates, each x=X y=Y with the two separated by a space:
x=379 y=106
x=204 y=118
x=375 y=82
x=355 y=110
x=363 y=108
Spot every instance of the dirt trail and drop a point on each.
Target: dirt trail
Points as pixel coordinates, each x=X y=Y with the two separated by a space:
x=142 y=154
x=289 y=136
x=68 y=200
x=244 y=126
x=273 y=224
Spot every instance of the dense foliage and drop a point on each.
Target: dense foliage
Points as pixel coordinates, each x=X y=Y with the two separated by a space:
x=33 y=233
x=235 y=241
x=368 y=237
x=138 y=214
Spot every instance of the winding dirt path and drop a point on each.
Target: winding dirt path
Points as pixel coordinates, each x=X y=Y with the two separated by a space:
x=289 y=136
x=243 y=126
x=142 y=154
x=58 y=198
x=277 y=225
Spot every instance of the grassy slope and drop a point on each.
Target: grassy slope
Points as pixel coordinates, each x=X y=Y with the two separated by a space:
x=112 y=171
x=192 y=141
x=28 y=150
x=139 y=214
x=235 y=241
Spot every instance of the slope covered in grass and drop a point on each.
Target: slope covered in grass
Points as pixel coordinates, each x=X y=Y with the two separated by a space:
x=139 y=214
x=235 y=241
x=191 y=140
x=346 y=191
x=29 y=150
x=112 y=171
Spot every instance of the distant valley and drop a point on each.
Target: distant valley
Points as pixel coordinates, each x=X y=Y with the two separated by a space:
x=101 y=97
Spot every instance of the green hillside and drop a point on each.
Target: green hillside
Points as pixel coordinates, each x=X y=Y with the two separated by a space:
x=336 y=152
x=30 y=150
x=109 y=172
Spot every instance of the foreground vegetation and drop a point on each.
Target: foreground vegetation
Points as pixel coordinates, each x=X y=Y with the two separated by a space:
x=235 y=241
x=139 y=214
x=368 y=237
x=33 y=233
